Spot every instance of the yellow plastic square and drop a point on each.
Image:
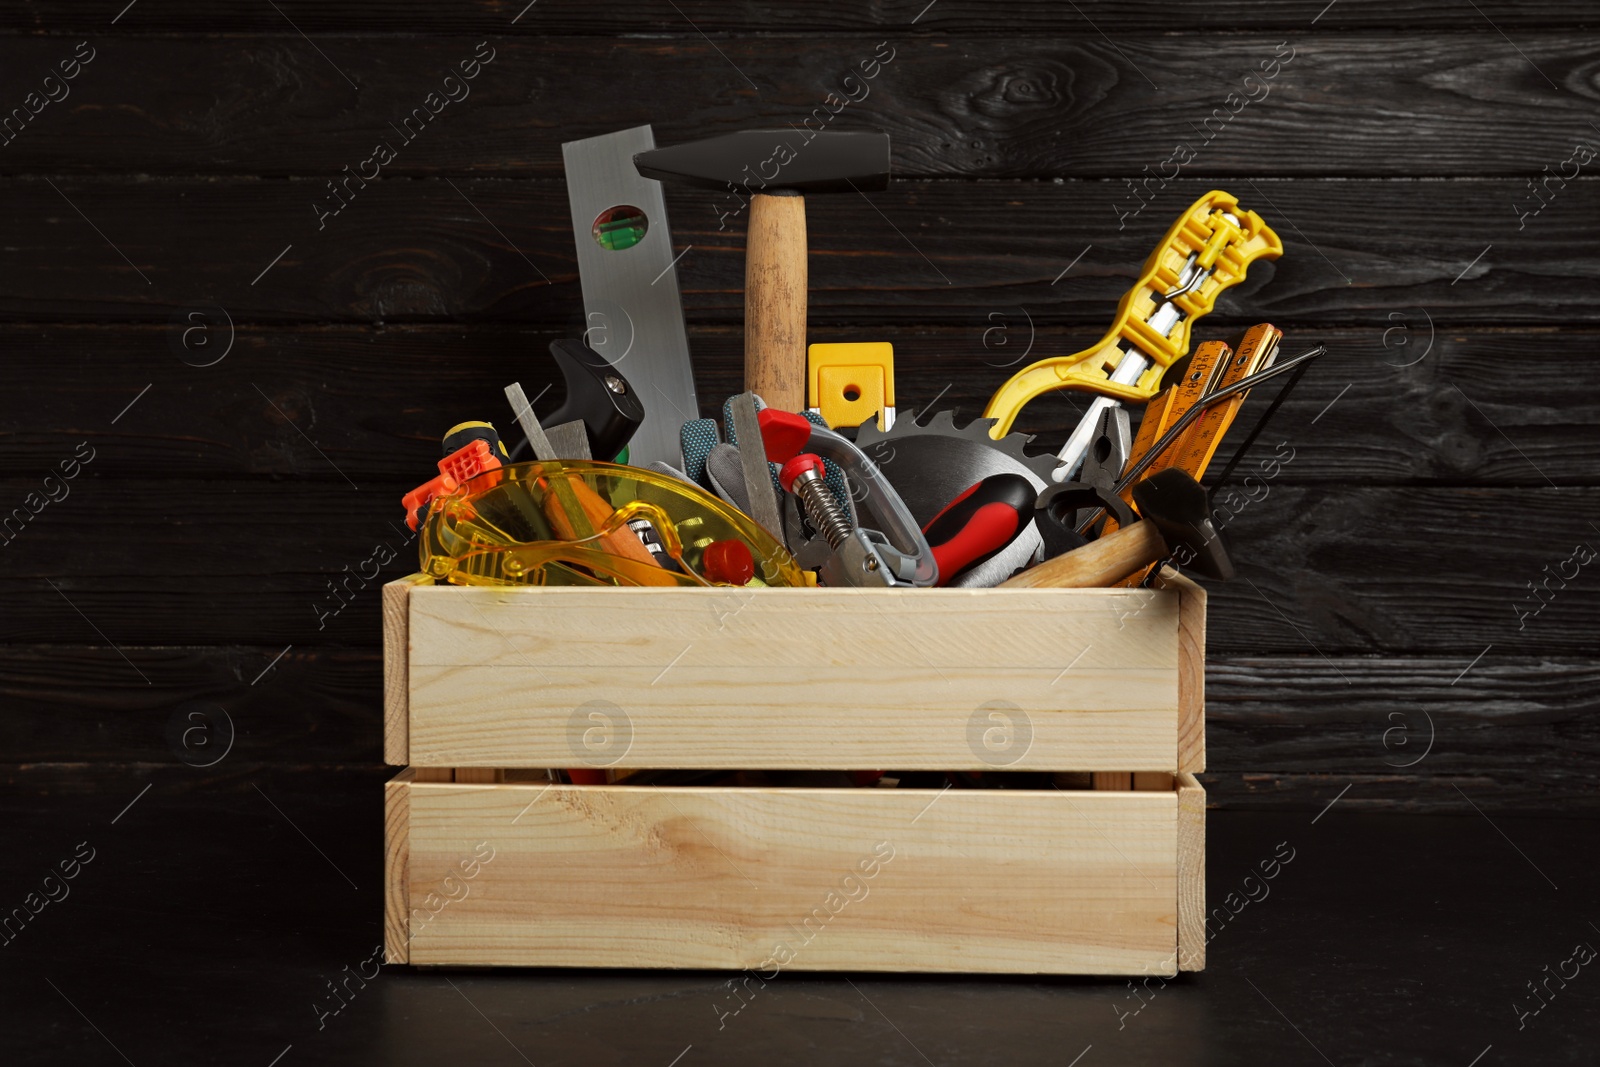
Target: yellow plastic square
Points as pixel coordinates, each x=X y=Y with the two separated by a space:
x=837 y=372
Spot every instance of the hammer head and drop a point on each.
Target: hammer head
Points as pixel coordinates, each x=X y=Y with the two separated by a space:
x=776 y=161
x=1181 y=510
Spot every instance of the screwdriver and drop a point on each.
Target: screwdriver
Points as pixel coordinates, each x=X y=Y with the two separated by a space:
x=985 y=518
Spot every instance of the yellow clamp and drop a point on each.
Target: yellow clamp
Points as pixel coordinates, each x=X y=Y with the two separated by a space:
x=1222 y=246
x=847 y=384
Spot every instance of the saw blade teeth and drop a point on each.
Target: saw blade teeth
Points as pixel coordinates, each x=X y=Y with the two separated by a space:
x=981 y=426
x=913 y=423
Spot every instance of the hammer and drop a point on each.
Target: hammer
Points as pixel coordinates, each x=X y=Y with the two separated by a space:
x=1176 y=522
x=777 y=168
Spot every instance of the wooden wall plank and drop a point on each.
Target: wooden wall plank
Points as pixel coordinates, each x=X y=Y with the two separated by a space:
x=376 y=399
x=722 y=17
x=1321 y=570
x=1024 y=107
x=286 y=563
x=411 y=250
x=68 y=703
x=1561 y=791
x=1516 y=732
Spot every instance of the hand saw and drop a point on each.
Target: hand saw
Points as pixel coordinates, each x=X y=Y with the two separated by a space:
x=1207 y=250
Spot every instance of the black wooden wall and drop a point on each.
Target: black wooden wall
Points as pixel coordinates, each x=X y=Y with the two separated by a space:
x=1430 y=165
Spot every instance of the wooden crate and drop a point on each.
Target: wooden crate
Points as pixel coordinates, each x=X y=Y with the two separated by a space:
x=484 y=686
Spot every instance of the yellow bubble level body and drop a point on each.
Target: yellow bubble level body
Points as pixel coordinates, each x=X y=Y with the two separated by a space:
x=1208 y=249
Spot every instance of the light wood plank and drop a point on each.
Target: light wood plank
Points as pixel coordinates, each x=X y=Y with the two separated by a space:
x=964 y=881
x=396 y=679
x=1191 y=874
x=842 y=679
x=396 y=867
x=791 y=630
x=1191 y=669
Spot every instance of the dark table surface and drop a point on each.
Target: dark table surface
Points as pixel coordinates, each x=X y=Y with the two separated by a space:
x=213 y=911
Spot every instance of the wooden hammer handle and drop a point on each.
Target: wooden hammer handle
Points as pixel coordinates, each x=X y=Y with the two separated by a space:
x=1097 y=564
x=775 y=285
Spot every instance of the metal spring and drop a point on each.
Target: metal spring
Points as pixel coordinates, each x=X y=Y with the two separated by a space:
x=824 y=511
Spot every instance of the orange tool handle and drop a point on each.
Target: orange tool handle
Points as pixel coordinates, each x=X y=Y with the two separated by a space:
x=620 y=542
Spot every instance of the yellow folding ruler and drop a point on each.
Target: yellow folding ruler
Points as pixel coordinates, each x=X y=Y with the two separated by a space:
x=1213 y=367
x=1208 y=249
x=1194 y=448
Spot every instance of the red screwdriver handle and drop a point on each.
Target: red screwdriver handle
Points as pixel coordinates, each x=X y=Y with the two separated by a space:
x=980 y=522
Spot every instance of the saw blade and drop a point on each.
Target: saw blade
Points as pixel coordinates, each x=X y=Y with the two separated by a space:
x=932 y=462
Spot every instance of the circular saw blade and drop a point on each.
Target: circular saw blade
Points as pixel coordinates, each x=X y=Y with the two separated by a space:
x=932 y=462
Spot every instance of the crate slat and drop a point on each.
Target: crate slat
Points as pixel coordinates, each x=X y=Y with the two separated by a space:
x=841 y=679
x=763 y=880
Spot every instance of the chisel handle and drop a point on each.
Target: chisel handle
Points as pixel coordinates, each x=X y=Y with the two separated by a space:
x=775 y=285
x=1097 y=564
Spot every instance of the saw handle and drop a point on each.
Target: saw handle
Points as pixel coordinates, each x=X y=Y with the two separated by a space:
x=775 y=286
